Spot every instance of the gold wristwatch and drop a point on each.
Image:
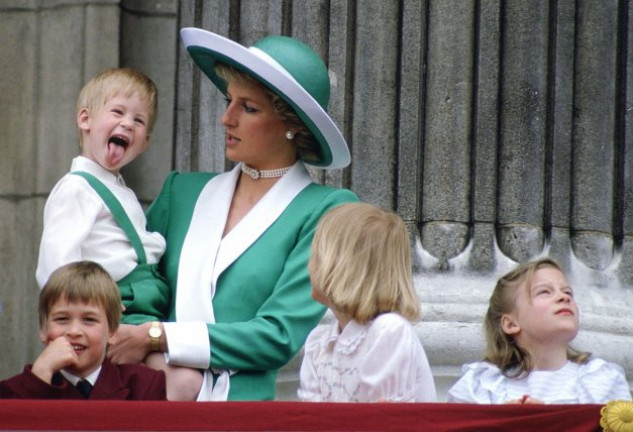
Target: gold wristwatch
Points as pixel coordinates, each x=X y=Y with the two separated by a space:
x=155 y=332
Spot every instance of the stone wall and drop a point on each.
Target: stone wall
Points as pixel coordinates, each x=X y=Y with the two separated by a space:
x=498 y=130
x=50 y=49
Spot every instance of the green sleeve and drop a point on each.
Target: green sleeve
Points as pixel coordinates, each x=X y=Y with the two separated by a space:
x=279 y=325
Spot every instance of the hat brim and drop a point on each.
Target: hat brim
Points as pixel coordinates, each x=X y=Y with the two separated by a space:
x=206 y=48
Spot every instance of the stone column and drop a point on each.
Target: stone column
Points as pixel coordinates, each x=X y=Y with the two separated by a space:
x=49 y=49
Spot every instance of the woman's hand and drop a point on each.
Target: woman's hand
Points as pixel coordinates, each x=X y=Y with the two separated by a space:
x=131 y=344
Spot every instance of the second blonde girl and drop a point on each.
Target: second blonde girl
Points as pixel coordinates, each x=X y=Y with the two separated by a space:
x=360 y=269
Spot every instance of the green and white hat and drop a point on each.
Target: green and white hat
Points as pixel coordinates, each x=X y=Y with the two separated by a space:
x=286 y=66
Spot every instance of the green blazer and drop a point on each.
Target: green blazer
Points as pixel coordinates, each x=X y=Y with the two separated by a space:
x=262 y=304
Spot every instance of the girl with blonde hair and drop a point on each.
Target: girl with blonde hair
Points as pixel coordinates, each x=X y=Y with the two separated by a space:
x=532 y=317
x=360 y=268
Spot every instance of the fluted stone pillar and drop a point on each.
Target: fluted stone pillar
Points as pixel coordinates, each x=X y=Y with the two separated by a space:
x=149 y=41
x=498 y=130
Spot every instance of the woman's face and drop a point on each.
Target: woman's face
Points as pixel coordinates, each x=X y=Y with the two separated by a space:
x=255 y=134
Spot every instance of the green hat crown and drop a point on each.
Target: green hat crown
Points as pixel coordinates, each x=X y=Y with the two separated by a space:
x=305 y=66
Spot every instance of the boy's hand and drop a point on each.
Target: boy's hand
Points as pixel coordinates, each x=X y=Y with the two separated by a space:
x=57 y=355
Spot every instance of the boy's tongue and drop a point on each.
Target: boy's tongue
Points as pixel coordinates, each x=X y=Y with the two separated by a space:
x=115 y=152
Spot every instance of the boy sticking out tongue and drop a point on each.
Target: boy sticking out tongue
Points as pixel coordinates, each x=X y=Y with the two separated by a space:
x=115 y=134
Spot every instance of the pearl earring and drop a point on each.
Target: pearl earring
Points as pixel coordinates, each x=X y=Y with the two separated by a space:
x=290 y=134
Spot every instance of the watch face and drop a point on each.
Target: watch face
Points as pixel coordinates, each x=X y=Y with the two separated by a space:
x=155 y=332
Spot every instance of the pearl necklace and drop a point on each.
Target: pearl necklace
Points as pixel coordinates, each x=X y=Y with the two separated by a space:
x=264 y=174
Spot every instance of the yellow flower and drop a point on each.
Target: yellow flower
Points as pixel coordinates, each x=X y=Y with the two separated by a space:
x=617 y=416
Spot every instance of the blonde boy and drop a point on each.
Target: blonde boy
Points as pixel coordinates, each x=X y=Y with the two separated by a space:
x=115 y=114
x=91 y=215
x=79 y=312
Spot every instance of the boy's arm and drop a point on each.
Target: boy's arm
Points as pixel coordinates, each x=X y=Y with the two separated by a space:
x=57 y=355
x=27 y=385
x=69 y=216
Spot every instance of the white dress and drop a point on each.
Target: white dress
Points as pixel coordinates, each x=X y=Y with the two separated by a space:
x=595 y=382
x=380 y=361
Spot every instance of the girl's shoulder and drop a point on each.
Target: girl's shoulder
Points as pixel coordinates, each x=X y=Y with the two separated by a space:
x=482 y=368
x=599 y=381
x=392 y=333
x=481 y=382
x=391 y=319
x=390 y=323
x=598 y=366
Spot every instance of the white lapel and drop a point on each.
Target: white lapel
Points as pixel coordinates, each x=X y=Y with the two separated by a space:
x=261 y=216
x=205 y=254
x=199 y=249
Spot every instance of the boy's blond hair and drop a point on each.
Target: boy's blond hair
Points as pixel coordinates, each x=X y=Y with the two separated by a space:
x=119 y=82
x=82 y=282
x=363 y=262
x=501 y=348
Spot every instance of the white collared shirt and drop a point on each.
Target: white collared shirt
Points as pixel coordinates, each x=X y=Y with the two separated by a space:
x=74 y=379
x=79 y=226
x=382 y=361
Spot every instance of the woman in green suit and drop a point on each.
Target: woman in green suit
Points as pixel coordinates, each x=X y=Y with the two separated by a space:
x=238 y=243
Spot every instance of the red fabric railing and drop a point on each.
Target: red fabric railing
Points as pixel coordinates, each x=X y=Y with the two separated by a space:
x=292 y=416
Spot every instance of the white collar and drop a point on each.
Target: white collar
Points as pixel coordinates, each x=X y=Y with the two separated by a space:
x=82 y=163
x=74 y=379
x=348 y=339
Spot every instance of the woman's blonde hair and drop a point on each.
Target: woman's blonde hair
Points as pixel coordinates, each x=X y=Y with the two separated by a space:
x=501 y=348
x=304 y=140
x=82 y=282
x=119 y=82
x=362 y=262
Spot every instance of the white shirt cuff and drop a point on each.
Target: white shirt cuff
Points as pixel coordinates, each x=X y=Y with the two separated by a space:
x=188 y=344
